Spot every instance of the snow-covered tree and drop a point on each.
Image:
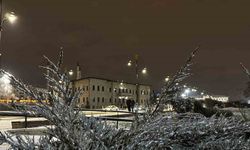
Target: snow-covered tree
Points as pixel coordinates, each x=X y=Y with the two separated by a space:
x=171 y=90
x=72 y=130
x=246 y=92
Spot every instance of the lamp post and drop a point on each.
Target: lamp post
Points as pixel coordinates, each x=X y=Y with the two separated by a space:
x=135 y=63
x=10 y=17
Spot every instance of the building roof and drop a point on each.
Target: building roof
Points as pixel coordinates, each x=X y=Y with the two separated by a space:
x=107 y=80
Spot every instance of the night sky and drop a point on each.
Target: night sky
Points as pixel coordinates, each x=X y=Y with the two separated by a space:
x=103 y=34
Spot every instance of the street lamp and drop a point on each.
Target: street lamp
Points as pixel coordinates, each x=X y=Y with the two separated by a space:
x=10 y=17
x=167 y=79
x=135 y=63
x=144 y=71
x=129 y=63
x=71 y=72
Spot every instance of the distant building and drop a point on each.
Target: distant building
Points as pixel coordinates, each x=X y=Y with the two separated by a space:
x=220 y=98
x=99 y=93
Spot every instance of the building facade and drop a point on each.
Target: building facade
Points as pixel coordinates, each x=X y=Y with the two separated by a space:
x=99 y=93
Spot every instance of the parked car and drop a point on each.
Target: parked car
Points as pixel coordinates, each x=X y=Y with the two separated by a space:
x=111 y=107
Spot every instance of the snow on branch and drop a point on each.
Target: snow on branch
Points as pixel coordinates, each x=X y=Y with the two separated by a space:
x=246 y=71
x=171 y=88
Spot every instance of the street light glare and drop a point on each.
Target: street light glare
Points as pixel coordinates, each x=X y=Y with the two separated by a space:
x=71 y=72
x=11 y=17
x=144 y=70
x=129 y=63
x=167 y=79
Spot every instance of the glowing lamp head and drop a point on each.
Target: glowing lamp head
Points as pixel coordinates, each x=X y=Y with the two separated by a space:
x=167 y=79
x=129 y=63
x=11 y=17
x=144 y=71
x=71 y=72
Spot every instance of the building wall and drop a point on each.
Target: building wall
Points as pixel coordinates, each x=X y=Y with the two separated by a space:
x=144 y=95
x=84 y=86
x=99 y=93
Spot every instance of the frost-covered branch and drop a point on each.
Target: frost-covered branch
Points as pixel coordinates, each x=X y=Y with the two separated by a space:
x=171 y=88
x=72 y=130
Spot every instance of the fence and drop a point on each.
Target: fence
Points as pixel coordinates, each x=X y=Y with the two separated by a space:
x=35 y=123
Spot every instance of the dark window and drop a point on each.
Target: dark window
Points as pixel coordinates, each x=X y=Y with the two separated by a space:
x=93 y=107
x=93 y=88
x=83 y=88
x=94 y=99
x=103 y=99
x=98 y=88
x=98 y=99
x=115 y=100
x=102 y=88
x=115 y=90
x=110 y=89
x=126 y=90
x=83 y=99
x=110 y=100
x=87 y=88
x=119 y=90
x=130 y=91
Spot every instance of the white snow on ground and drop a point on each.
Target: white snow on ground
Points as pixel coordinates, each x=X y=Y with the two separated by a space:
x=5 y=124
